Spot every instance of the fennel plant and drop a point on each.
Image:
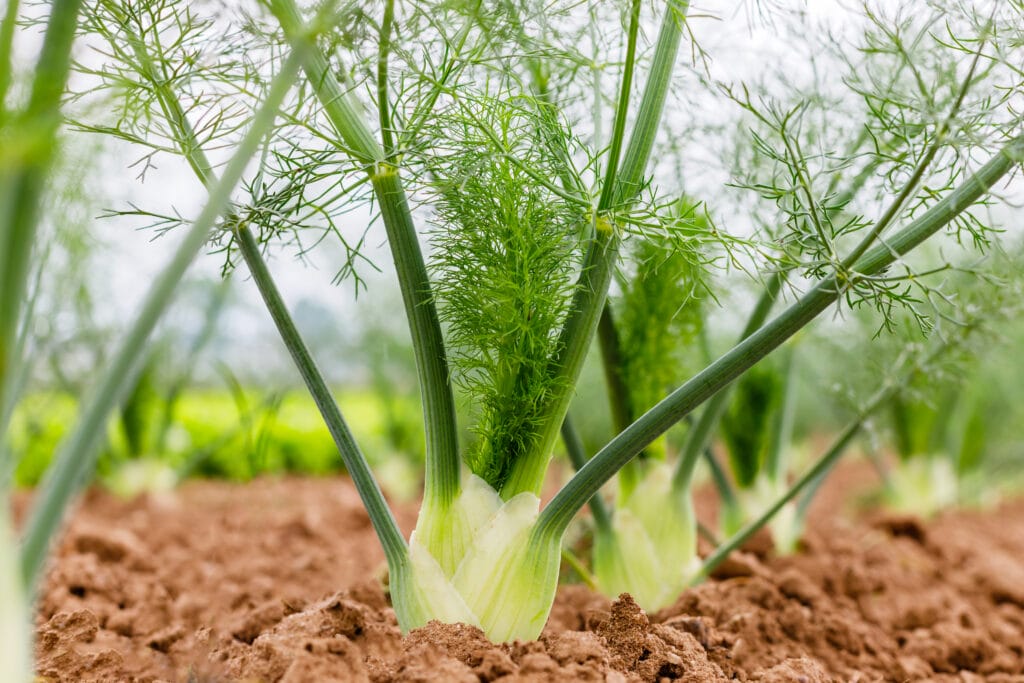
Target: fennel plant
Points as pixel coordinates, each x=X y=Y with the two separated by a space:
x=939 y=420
x=459 y=123
x=817 y=197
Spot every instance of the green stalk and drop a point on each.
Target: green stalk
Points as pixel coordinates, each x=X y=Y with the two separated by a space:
x=578 y=457
x=648 y=119
x=32 y=135
x=384 y=524
x=7 y=26
x=383 y=106
x=599 y=262
x=621 y=110
x=77 y=454
x=699 y=436
x=442 y=474
x=559 y=512
x=355 y=462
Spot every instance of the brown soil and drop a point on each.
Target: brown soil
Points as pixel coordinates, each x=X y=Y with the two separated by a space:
x=280 y=580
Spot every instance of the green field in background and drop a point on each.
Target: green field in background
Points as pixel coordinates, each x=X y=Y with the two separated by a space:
x=212 y=433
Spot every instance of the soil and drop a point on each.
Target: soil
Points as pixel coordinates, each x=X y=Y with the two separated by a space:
x=281 y=580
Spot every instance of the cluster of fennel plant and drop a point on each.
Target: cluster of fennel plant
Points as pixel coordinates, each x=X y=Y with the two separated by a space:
x=457 y=122
x=818 y=198
x=940 y=425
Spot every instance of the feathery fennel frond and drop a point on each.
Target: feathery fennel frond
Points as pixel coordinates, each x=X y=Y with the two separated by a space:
x=217 y=62
x=505 y=255
x=660 y=310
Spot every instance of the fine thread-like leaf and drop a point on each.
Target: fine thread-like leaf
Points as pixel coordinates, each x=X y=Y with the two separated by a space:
x=504 y=256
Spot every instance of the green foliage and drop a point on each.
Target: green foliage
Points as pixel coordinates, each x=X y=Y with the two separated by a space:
x=660 y=312
x=747 y=427
x=505 y=252
x=213 y=435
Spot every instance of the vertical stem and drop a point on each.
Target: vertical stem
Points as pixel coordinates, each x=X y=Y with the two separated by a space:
x=443 y=466
x=621 y=110
x=614 y=369
x=599 y=260
x=613 y=364
x=383 y=106
x=442 y=463
x=76 y=455
x=726 y=493
x=373 y=500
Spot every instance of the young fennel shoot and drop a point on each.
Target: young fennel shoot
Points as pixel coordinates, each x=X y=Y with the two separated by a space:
x=757 y=433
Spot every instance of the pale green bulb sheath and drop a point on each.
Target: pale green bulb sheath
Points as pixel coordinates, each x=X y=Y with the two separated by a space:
x=15 y=622
x=499 y=573
x=651 y=550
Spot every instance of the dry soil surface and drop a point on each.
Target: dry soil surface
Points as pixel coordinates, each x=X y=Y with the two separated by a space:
x=280 y=580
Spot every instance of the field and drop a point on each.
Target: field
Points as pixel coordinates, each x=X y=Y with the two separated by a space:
x=531 y=340
x=289 y=589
